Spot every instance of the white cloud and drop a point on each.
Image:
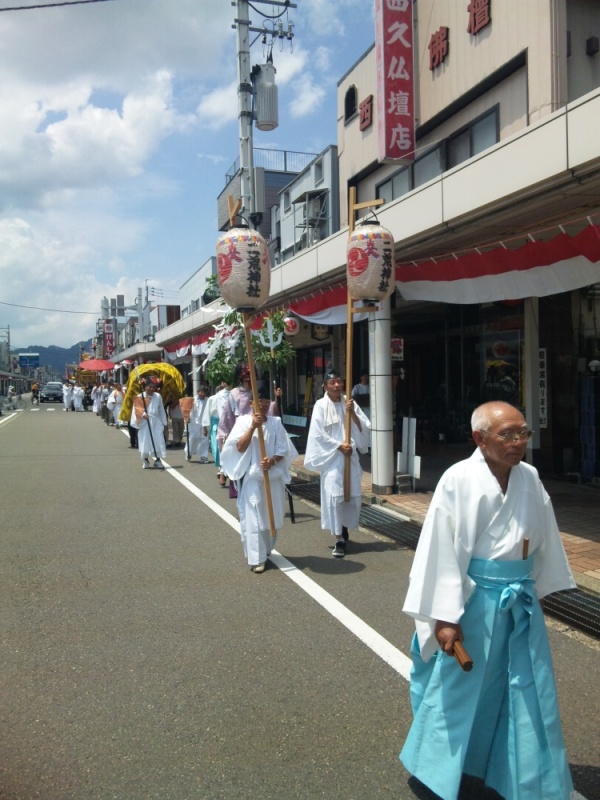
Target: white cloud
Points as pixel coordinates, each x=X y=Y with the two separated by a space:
x=307 y=100
x=116 y=120
x=219 y=107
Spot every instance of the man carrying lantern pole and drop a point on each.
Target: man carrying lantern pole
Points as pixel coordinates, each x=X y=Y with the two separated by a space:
x=245 y=279
x=245 y=462
x=326 y=453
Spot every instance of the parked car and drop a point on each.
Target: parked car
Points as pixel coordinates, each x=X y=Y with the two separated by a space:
x=51 y=392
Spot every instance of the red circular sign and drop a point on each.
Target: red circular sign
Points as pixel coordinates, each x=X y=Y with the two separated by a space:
x=358 y=261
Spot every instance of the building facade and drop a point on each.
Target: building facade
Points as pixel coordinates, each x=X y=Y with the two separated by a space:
x=495 y=214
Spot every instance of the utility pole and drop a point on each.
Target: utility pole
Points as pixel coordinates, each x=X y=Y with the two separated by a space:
x=273 y=27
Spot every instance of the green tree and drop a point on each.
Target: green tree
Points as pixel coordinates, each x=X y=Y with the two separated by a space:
x=227 y=348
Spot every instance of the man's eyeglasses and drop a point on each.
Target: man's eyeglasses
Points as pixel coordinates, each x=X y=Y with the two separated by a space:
x=513 y=436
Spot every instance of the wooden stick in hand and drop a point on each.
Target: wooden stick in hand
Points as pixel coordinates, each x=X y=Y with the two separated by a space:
x=463 y=658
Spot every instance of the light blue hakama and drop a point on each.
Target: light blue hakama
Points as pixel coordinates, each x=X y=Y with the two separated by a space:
x=500 y=721
x=214 y=444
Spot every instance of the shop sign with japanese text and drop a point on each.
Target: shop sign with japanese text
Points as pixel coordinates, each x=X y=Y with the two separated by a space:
x=108 y=344
x=395 y=79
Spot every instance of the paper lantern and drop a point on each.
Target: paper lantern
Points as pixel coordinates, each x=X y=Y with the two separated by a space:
x=370 y=260
x=243 y=268
x=291 y=326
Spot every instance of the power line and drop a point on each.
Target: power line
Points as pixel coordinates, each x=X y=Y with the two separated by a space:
x=58 y=310
x=55 y=5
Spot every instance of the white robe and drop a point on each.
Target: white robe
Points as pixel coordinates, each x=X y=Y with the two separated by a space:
x=96 y=395
x=78 y=395
x=157 y=418
x=67 y=397
x=115 y=404
x=326 y=433
x=199 y=419
x=470 y=517
x=251 y=501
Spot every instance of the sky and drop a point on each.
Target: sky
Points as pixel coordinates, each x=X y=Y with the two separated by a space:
x=118 y=123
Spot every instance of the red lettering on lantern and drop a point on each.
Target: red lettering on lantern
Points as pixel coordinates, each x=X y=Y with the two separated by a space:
x=358 y=261
x=223 y=267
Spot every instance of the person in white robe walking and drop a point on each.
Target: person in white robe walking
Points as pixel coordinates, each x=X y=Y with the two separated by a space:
x=216 y=404
x=115 y=403
x=151 y=425
x=474 y=580
x=96 y=395
x=78 y=395
x=326 y=453
x=67 y=395
x=198 y=427
x=241 y=458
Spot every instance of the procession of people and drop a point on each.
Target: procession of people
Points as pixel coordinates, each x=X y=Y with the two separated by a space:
x=489 y=551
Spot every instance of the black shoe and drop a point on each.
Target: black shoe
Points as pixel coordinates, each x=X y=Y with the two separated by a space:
x=339 y=551
x=345 y=535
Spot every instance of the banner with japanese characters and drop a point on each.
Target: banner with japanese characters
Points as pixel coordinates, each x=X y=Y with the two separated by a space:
x=395 y=80
x=109 y=339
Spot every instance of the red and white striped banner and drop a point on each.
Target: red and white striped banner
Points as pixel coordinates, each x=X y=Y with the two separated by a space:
x=537 y=269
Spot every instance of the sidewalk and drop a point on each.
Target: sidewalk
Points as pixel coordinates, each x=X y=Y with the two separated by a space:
x=577 y=506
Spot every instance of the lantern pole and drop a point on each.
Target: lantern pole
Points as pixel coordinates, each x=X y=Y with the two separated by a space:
x=233 y=208
x=261 y=437
x=353 y=207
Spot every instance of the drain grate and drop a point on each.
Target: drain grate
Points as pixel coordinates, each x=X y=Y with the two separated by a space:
x=578 y=608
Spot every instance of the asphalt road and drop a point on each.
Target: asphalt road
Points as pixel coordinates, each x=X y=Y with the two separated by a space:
x=142 y=659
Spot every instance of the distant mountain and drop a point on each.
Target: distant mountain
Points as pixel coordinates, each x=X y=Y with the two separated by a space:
x=57 y=357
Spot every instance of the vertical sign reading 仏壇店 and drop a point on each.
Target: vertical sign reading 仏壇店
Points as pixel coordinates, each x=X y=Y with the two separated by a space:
x=395 y=84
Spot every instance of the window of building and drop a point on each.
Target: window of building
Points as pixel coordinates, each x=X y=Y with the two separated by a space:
x=473 y=139
x=350 y=104
x=427 y=167
x=401 y=183
x=318 y=171
x=484 y=133
x=459 y=149
x=465 y=143
x=286 y=201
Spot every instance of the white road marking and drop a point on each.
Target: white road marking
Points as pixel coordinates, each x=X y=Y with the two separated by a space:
x=392 y=656
x=367 y=635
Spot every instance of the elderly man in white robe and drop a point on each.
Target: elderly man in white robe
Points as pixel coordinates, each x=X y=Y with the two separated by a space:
x=198 y=427
x=474 y=580
x=149 y=417
x=326 y=451
x=242 y=460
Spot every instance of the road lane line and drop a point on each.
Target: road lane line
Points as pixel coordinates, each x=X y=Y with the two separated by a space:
x=374 y=641
x=392 y=656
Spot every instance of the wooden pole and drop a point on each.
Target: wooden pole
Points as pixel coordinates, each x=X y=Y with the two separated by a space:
x=261 y=437
x=349 y=345
x=233 y=207
x=353 y=207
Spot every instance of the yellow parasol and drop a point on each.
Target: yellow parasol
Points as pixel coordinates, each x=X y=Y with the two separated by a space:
x=170 y=378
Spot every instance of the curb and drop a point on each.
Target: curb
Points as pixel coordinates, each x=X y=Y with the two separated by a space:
x=409 y=515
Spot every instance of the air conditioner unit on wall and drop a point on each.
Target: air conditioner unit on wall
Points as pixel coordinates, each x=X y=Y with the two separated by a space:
x=314 y=208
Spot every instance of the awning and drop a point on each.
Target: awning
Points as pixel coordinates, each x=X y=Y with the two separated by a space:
x=308 y=195
x=179 y=351
x=537 y=269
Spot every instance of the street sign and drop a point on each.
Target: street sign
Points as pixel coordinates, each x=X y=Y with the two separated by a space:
x=29 y=360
